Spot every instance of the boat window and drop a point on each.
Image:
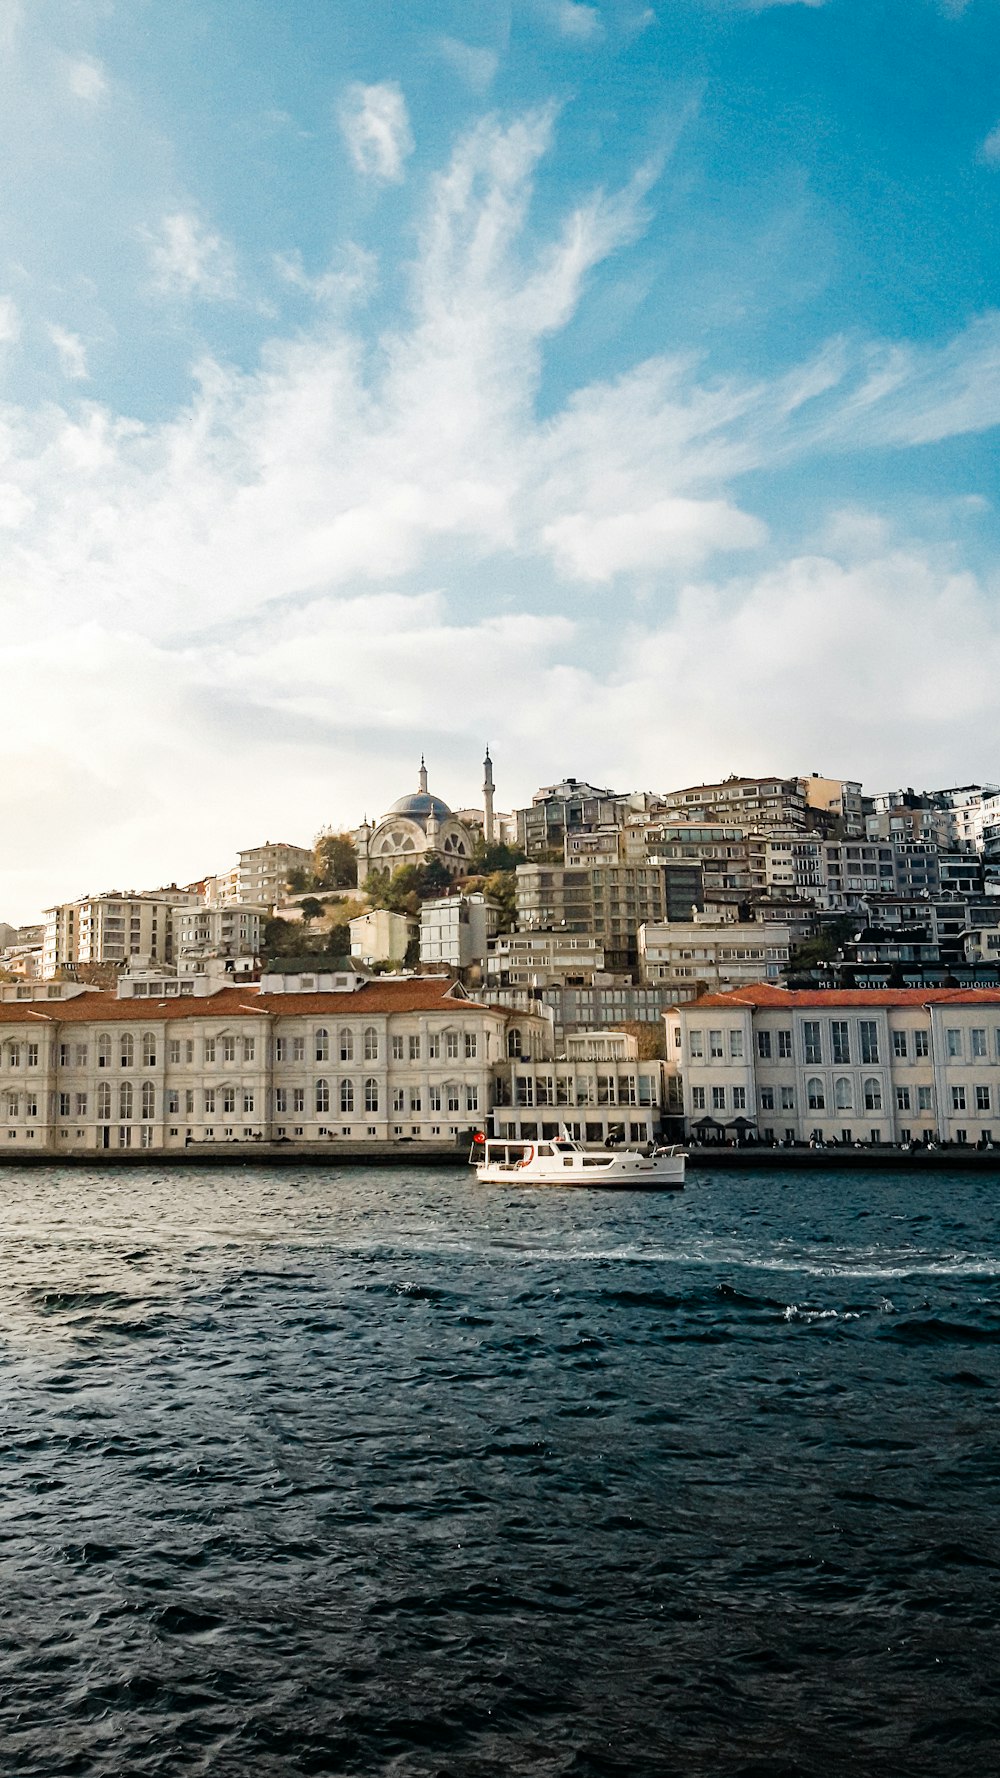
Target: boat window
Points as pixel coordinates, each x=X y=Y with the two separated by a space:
x=567 y=1160
x=545 y=1149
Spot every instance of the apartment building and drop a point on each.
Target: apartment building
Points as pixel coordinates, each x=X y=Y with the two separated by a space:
x=455 y=931
x=295 y=1058
x=752 y=802
x=693 y=957
x=229 y=931
x=607 y=902
x=886 y=1065
x=264 y=871
x=529 y=960
x=112 y=928
x=558 y=810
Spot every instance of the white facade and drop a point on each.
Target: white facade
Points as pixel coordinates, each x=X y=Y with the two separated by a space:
x=264 y=871
x=110 y=928
x=889 y=1066
x=523 y=960
x=232 y=931
x=455 y=931
x=381 y=937
x=692 y=956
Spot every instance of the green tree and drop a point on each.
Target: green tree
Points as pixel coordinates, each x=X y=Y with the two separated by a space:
x=486 y=858
x=335 y=863
x=501 y=886
x=299 y=879
x=311 y=908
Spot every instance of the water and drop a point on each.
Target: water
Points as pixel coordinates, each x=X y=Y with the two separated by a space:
x=397 y=1474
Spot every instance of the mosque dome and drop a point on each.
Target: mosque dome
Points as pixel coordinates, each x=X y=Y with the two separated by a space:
x=420 y=805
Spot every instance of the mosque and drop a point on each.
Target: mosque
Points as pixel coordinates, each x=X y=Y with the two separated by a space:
x=421 y=827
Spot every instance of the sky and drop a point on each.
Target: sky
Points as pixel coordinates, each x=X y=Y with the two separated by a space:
x=612 y=384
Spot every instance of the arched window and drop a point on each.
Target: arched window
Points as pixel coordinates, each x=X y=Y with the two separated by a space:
x=148 y=1100
x=347 y=1095
x=125 y=1101
x=322 y=1045
x=104 y=1101
x=873 y=1094
x=815 y=1095
x=322 y=1095
x=127 y=1051
x=347 y=1046
x=843 y=1095
x=513 y=1041
x=371 y=1095
x=149 y=1049
x=371 y=1044
x=104 y=1051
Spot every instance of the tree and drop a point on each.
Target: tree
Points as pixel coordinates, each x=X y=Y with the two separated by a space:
x=298 y=879
x=311 y=908
x=335 y=862
x=496 y=857
x=501 y=886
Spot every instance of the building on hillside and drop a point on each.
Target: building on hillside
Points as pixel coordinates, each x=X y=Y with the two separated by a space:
x=834 y=803
x=559 y=810
x=691 y=958
x=382 y=937
x=607 y=902
x=204 y=932
x=751 y=802
x=265 y=870
x=890 y=1065
x=535 y=960
x=419 y=829
x=455 y=931
x=109 y=929
x=397 y=1058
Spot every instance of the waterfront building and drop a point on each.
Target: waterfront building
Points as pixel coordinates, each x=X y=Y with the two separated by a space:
x=304 y=1057
x=419 y=829
x=597 y=1086
x=883 y=1066
x=692 y=957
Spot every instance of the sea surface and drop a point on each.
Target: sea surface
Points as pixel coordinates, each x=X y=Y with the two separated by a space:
x=375 y=1472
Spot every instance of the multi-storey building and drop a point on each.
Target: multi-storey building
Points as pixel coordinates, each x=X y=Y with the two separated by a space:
x=230 y=931
x=752 y=802
x=265 y=870
x=834 y=803
x=308 y=1058
x=455 y=930
x=111 y=929
x=607 y=902
x=598 y=1086
x=891 y=1065
x=707 y=954
x=530 y=960
x=558 y=810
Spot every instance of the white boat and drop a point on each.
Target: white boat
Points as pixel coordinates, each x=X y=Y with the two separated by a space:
x=564 y=1161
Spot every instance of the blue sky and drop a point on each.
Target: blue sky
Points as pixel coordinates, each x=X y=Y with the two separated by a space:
x=614 y=383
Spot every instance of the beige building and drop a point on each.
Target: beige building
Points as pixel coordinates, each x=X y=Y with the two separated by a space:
x=114 y=928
x=264 y=871
x=381 y=937
x=595 y=1088
x=298 y=1059
x=526 y=960
x=882 y=1065
x=228 y=932
x=692 y=957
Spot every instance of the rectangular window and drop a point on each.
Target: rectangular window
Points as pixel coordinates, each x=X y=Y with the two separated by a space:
x=173 y=1049
x=471 y=1051
x=811 y=1041
x=298 y=1049
x=869 y=1040
x=188 y=1101
x=415 y=1104
x=953 y=1044
x=451 y=1046
x=228 y=1101
x=978 y=1045
x=173 y=1102
x=958 y=1099
x=764 y=1045
x=767 y=1098
x=247 y=1103
x=982 y=1098
x=718 y=1098
x=739 y=1098
x=715 y=1045
x=434 y=1098
x=298 y=1099
x=64 y=1055
x=64 y=1105
x=81 y=1055
x=841 y=1041
x=697 y=1098
x=902 y=1098
x=209 y=1101
x=921 y=1043
x=81 y=1104
x=229 y=1049
x=899 y=1045
x=210 y=1049
x=472 y=1098
x=249 y=1048
x=696 y=1045
x=398 y=1049
x=280 y=1046
x=32 y=1055
x=414 y=1049
x=735 y=1045
x=434 y=1047
x=398 y=1099
x=281 y=1099
x=788 y=1098
x=784 y=1046
x=925 y=1099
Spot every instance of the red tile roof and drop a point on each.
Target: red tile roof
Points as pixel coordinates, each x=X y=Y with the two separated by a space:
x=763 y=995
x=420 y=994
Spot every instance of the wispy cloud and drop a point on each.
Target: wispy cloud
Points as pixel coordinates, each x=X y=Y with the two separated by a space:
x=352 y=277
x=477 y=67
x=575 y=20
x=990 y=149
x=87 y=79
x=376 y=128
x=72 y=354
x=10 y=321
x=189 y=259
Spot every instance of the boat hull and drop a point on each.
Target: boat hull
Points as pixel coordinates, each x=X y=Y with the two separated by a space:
x=597 y=1172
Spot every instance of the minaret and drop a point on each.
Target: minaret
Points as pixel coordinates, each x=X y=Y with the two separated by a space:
x=488 y=797
x=423 y=777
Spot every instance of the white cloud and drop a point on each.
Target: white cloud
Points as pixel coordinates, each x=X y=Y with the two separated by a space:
x=87 y=80
x=376 y=128
x=344 y=283
x=289 y=573
x=10 y=321
x=575 y=20
x=72 y=354
x=990 y=149
x=190 y=260
x=477 y=67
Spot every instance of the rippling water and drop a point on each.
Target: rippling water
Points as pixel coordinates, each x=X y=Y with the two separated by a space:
x=375 y=1473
